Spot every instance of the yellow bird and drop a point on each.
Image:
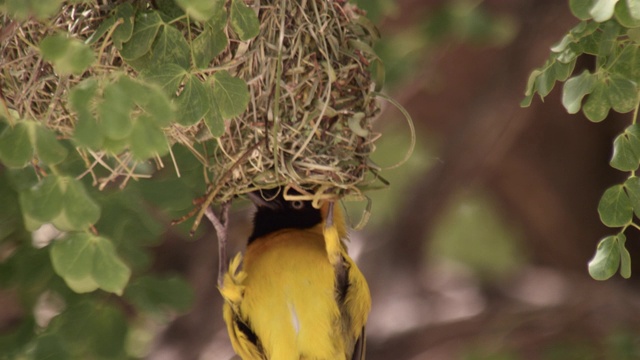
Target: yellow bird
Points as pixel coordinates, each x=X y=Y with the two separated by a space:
x=299 y=296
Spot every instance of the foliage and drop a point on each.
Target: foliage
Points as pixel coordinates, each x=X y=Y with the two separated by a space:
x=609 y=34
x=121 y=88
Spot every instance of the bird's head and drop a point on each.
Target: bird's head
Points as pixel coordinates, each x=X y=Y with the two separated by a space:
x=275 y=213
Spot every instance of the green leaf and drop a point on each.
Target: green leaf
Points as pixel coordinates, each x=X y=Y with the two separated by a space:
x=79 y=210
x=218 y=20
x=623 y=94
x=102 y=29
x=580 y=8
x=87 y=133
x=48 y=148
x=69 y=56
x=231 y=94
x=72 y=259
x=200 y=10
x=147 y=139
x=115 y=111
x=244 y=21
x=608 y=40
x=192 y=102
x=87 y=262
x=626 y=64
x=168 y=76
x=208 y=45
x=48 y=346
x=632 y=187
x=15 y=146
x=213 y=118
x=615 y=207
x=124 y=31
x=109 y=272
x=160 y=294
x=145 y=29
x=575 y=89
x=625 y=257
x=624 y=14
x=157 y=104
x=169 y=8
x=25 y=9
x=596 y=107
x=634 y=8
x=43 y=202
x=602 y=10
x=170 y=47
x=606 y=261
x=626 y=155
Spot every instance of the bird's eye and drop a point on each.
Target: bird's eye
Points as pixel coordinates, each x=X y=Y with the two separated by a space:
x=297 y=204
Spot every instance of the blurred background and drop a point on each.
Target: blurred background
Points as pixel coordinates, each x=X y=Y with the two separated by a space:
x=479 y=248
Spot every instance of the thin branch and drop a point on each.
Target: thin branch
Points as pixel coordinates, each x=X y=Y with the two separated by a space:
x=220 y=223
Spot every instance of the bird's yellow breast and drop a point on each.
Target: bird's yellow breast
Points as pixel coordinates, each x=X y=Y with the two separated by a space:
x=290 y=296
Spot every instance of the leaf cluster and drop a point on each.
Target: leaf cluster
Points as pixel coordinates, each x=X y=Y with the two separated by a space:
x=122 y=88
x=609 y=34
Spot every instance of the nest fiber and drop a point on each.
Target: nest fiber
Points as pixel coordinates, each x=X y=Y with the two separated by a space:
x=312 y=100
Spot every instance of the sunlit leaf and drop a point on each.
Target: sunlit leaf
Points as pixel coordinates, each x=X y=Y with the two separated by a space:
x=200 y=10
x=615 y=207
x=606 y=261
x=623 y=14
x=575 y=89
x=602 y=10
x=634 y=8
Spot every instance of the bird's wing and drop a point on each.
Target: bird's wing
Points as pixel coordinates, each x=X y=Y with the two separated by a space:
x=359 y=348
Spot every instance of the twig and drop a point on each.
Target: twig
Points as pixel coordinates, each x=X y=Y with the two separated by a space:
x=220 y=223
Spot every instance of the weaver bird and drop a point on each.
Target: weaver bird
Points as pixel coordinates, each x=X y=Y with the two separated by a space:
x=299 y=296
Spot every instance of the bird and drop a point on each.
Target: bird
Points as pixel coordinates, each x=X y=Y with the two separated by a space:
x=298 y=295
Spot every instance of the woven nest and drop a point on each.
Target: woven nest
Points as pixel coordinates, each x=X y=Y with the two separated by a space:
x=308 y=124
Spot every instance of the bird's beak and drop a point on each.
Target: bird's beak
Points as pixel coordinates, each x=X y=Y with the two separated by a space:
x=259 y=201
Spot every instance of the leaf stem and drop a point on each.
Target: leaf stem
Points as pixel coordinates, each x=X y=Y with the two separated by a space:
x=630 y=224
